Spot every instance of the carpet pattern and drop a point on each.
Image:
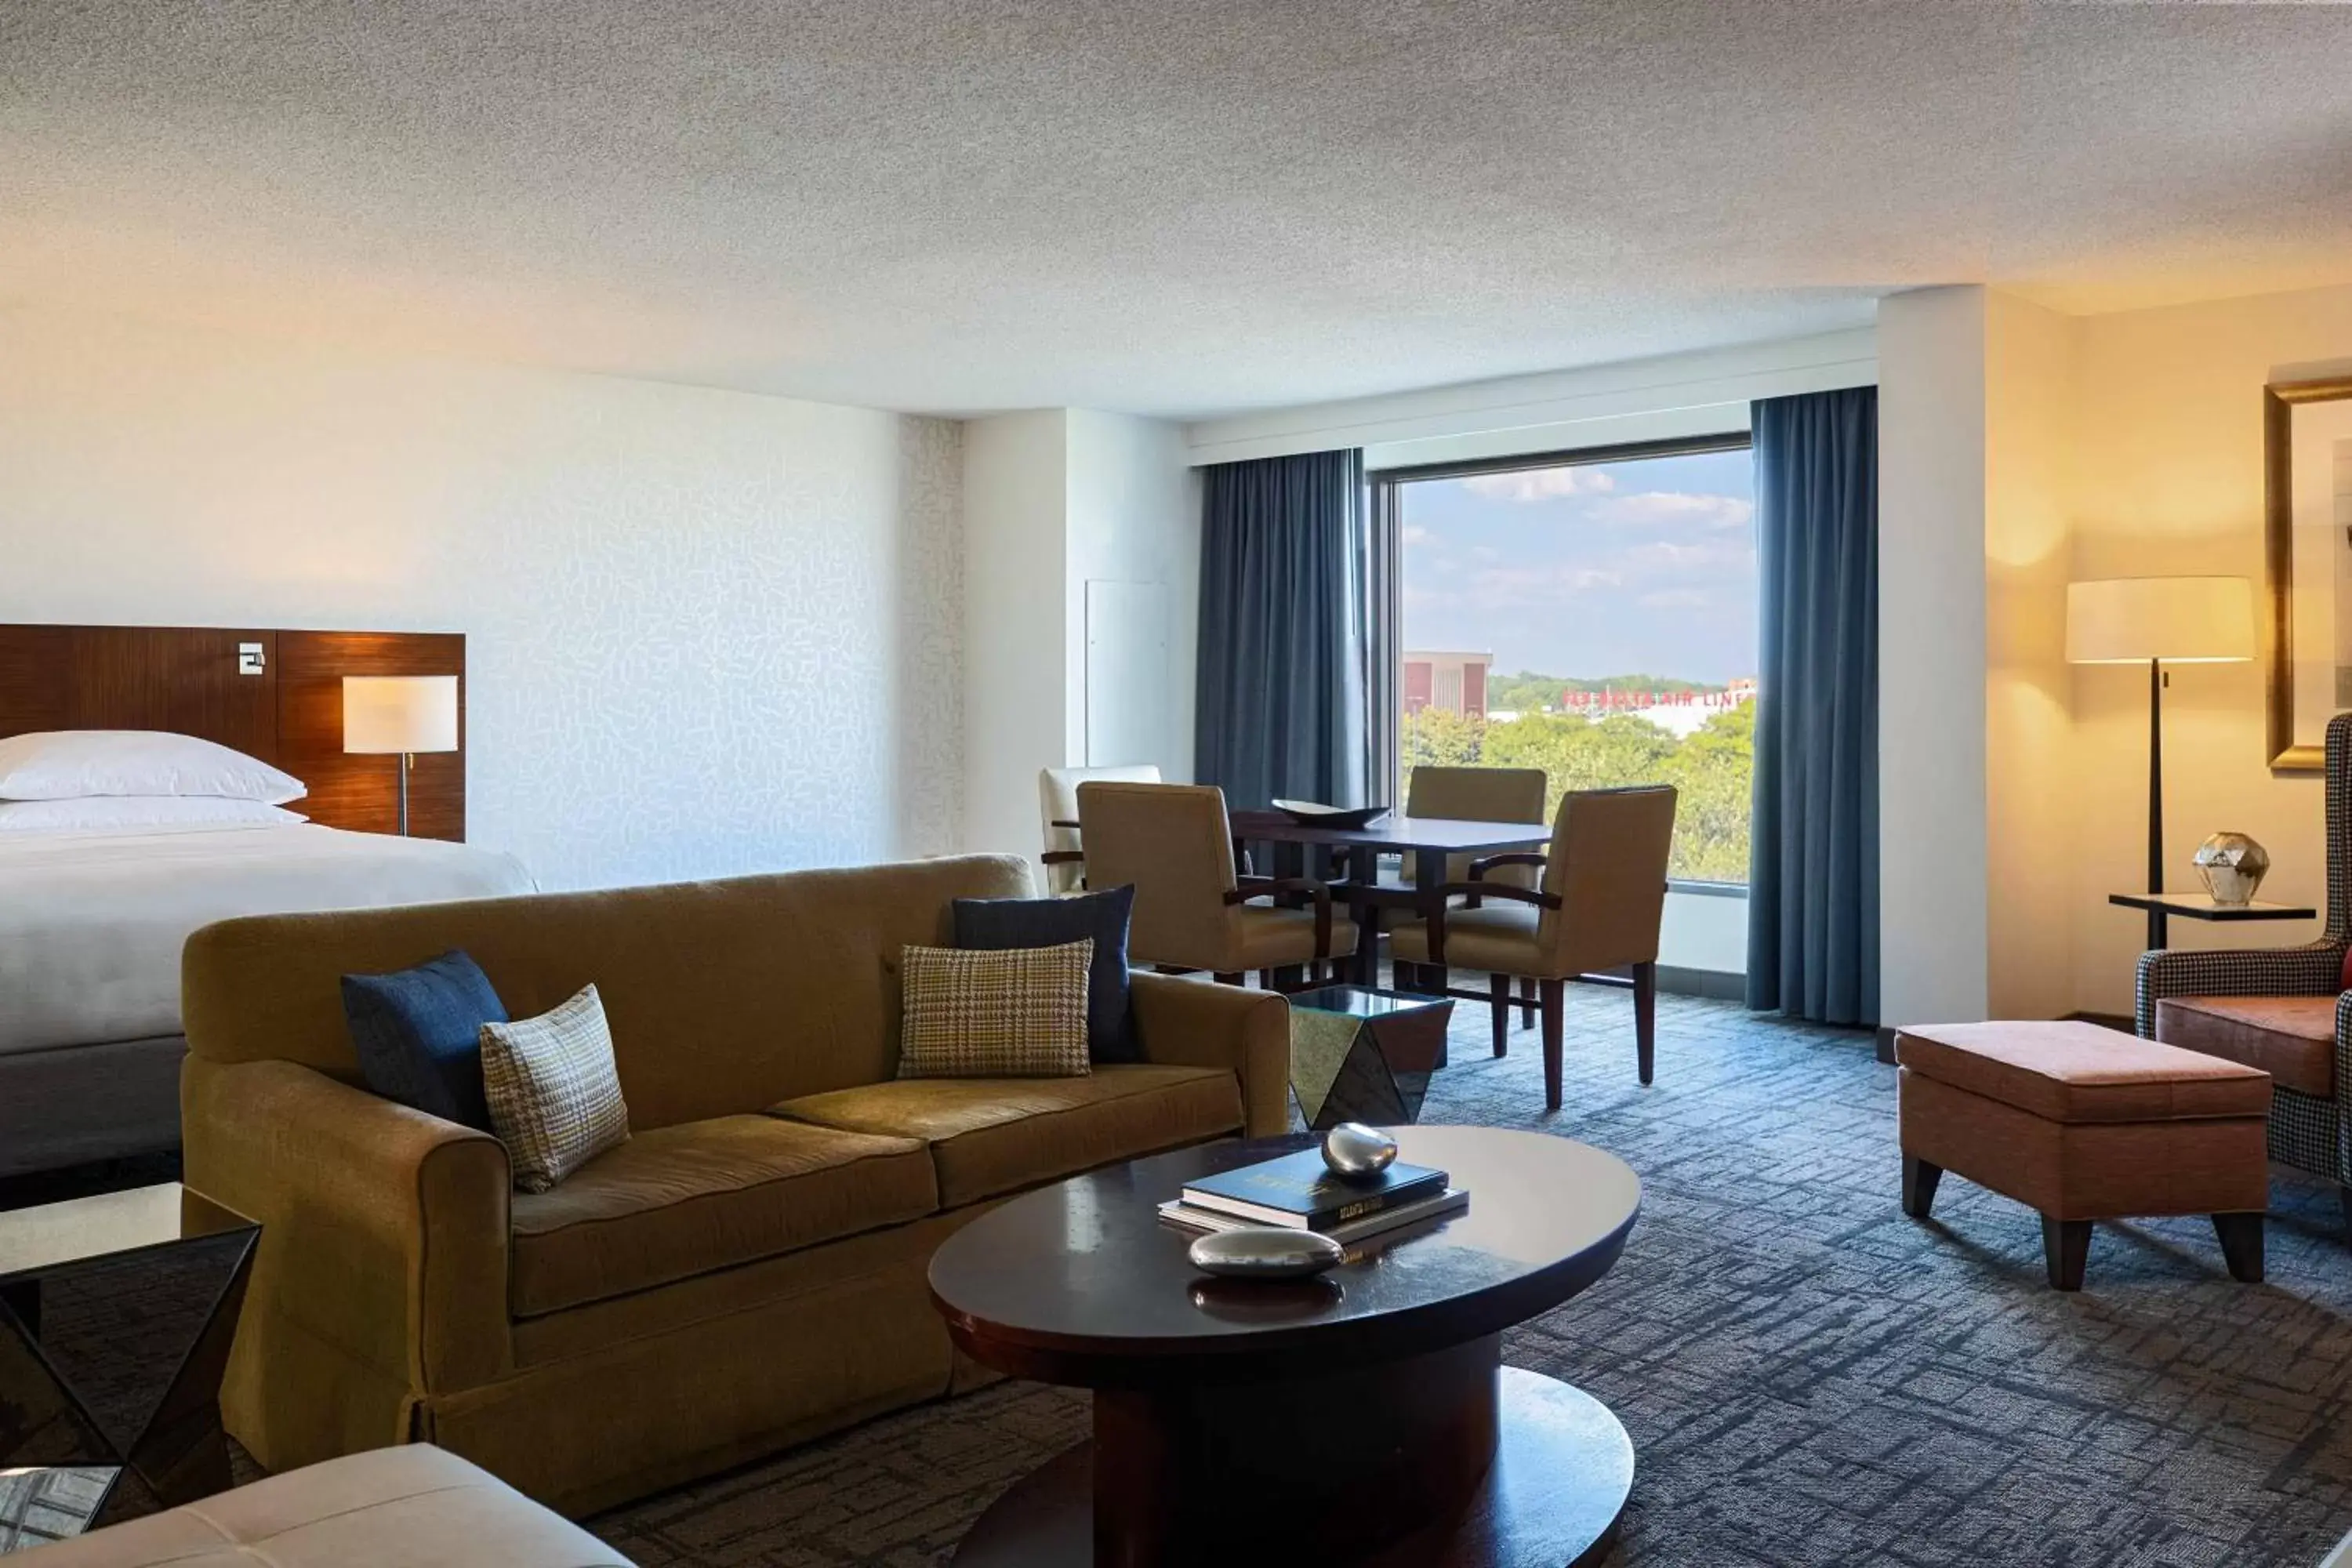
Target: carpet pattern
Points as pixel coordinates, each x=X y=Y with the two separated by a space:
x=1809 y=1377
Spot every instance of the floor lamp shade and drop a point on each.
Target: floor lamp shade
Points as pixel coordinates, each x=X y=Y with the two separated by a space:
x=2181 y=620
x=400 y=715
x=2156 y=621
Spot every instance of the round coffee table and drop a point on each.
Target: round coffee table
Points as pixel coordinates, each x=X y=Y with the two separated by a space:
x=1363 y=1417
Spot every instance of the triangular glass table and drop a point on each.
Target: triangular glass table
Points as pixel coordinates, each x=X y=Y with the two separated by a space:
x=93 y=1292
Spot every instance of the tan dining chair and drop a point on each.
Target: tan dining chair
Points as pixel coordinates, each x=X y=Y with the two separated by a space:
x=1598 y=903
x=1174 y=845
x=1065 y=858
x=1481 y=794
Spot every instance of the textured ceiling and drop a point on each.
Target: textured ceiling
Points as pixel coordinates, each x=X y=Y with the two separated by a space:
x=1177 y=208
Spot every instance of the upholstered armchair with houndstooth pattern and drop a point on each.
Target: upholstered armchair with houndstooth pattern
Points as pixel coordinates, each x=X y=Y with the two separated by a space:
x=2285 y=1010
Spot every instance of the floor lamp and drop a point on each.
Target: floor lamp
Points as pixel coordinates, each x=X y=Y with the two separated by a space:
x=2157 y=621
x=400 y=715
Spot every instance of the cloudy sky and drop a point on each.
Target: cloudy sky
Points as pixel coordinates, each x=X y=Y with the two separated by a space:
x=1608 y=569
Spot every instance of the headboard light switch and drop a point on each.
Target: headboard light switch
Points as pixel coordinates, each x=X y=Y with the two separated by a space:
x=249 y=659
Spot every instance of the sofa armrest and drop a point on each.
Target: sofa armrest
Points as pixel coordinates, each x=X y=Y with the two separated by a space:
x=2313 y=971
x=384 y=1230
x=1188 y=1022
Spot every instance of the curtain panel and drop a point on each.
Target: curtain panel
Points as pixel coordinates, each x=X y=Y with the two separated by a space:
x=1285 y=677
x=1812 y=897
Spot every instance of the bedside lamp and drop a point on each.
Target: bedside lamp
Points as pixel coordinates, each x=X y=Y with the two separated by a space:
x=400 y=715
x=2151 y=621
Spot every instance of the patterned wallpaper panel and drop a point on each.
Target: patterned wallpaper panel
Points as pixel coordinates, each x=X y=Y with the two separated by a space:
x=707 y=633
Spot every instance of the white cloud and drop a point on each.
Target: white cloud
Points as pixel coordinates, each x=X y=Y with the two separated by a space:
x=1677 y=506
x=1540 y=484
x=1505 y=587
x=1484 y=552
x=1666 y=555
x=1674 y=599
x=1414 y=534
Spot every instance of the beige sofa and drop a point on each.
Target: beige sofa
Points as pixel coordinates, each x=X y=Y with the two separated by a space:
x=746 y=1272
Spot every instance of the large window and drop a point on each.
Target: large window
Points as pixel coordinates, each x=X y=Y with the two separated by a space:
x=1590 y=614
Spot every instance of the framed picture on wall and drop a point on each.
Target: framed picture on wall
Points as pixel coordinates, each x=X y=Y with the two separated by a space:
x=2307 y=455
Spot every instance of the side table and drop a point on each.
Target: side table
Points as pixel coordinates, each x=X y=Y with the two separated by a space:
x=2200 y=906
x=60 y=1472
x=1360 y=1055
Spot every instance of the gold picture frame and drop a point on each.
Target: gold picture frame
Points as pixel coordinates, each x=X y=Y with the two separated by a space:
x=2307 y=513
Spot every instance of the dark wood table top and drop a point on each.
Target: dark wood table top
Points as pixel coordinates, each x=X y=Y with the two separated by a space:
x=1081 y=1283
x=2201 y=906
x=1396 y=833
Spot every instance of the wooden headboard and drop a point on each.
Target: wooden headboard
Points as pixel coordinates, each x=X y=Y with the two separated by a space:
x=288 y=713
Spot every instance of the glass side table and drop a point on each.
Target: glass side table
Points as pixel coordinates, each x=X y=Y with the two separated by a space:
x=1358 y=1055
x=61 y=1472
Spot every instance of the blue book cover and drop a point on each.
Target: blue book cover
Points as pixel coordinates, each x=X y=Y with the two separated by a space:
x=1299 y=1190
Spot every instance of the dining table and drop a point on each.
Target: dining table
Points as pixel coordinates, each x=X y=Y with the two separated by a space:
x=1425 y=843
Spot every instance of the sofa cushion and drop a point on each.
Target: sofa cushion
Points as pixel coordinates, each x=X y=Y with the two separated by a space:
x=554 y=1090
x=1102 y=918
x=418 y=1034
x=1008 y=1012
x=2293 y=1038
x=676 y=1202
x=2078 y=1072
x=991 y=1136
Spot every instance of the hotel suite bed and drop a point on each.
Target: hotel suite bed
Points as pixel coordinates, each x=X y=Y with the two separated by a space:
x=90 y=930
x=93 y=919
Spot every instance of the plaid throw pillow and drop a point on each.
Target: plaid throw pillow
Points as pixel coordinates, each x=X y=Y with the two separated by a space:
x=555 y=1091
x=1014 y=1013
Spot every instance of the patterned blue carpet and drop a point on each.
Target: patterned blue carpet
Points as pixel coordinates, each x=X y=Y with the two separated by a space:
x=1809 y=1377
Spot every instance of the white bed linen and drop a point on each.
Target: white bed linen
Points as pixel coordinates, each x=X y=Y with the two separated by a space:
x=91 y=924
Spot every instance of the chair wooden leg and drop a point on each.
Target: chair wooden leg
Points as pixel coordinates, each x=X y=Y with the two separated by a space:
x=1552 y=997
x=1920 y=1179
x=1499 y=991
x=1527 y=1002
x=2241 y=1245
x=1645 y=1019
x=2066 y=1248
x=1228 y=977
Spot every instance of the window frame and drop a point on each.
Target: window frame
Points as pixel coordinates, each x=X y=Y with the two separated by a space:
x=1386 y=486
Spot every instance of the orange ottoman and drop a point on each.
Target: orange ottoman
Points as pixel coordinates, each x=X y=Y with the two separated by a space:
x=2086 y=1123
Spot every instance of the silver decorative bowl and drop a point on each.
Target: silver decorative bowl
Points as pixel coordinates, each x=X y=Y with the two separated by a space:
x=1263 y=1252
x=1356 y=1152
x=2233 y=866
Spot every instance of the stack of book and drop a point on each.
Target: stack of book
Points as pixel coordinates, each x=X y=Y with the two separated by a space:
x=1300 y=1192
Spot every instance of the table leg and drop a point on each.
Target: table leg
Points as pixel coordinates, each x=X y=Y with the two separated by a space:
x=1429 y=873
x=2157 y=932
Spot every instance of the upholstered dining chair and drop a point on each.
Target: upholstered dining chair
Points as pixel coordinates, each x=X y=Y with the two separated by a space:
x=1174 y=844
x=1480 y=795
x=2286 y=1010
x=1598 y=903
x=1065 y=858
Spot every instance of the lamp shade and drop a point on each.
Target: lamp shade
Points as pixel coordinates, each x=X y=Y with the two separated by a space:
x=400 y=713
x=2182 y=620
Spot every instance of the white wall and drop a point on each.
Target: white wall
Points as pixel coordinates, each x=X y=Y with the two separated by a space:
x=1931 y=657
x=1636 y=400
x=1016 y=511
x=1055 y=499
x=2031 y=787
x=706 y=632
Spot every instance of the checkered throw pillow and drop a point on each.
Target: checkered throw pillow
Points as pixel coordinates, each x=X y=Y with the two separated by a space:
x=555 y=1091
x=1008 y=1012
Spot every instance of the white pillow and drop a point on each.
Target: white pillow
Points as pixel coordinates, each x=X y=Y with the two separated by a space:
x=118 y=812
x=65 y=764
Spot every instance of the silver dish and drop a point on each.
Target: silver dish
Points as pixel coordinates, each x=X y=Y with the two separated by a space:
x=1356 y=1152
x=1315 y=814
x=1263 y=1252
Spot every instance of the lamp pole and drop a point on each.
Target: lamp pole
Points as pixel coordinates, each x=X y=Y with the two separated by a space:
x=2156 y=931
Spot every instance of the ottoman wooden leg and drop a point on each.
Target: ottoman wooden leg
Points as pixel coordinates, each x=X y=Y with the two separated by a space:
x=1920 y=1179
x=2241 y=1245
x=2065 y=1248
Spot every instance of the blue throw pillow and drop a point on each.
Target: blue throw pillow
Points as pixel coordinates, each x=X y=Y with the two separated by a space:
x=996 y=924
x=419 y=1034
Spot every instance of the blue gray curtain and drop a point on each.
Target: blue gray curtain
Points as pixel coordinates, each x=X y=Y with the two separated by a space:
x=1285 y=683
x=1813 y=896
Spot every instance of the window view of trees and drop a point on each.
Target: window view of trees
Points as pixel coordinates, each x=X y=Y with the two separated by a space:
x=1645 y=564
